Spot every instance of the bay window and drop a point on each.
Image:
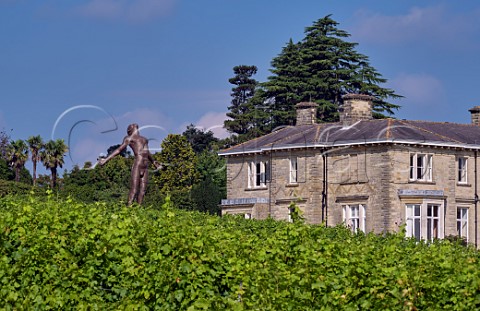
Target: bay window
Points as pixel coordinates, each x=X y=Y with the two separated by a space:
x=425 y=221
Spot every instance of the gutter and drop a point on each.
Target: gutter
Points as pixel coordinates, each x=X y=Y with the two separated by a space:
x=349 y=144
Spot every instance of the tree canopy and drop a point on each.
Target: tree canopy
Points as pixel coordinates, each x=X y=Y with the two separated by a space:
x=17 y=155
x=53 y=156
x=242 y=108
x=200 y=140
x=322 y=67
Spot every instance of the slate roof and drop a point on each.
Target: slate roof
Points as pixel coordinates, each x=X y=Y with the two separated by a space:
x=378 y=131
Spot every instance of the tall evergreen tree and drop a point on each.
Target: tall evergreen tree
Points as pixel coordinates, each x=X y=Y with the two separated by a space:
x=322 y=68
x=35 y=143
x=241 y=109
x=285 y=88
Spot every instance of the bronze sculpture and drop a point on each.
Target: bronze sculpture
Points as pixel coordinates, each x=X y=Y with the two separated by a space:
x=143 y=157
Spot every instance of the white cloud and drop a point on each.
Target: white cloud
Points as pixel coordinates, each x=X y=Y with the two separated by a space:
x=428 y=24
x=213 y=121
x=129 y=10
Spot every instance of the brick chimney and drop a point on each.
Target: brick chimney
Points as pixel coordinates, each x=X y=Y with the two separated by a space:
x=306 y=113
x=356 y=107
x=475 y=111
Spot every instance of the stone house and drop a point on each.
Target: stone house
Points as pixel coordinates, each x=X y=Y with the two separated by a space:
x=370 y=174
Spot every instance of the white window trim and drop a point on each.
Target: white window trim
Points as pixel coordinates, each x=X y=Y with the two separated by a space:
x=463 y=222
x=424 y=220
x=293 y=172
x=426 y=168
x=462 y=170
x=354 y=222
x=257 y=179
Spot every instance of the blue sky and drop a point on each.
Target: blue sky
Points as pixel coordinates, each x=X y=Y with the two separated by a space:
x=83 y=70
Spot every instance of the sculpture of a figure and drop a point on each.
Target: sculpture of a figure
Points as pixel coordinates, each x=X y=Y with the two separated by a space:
x=143 y=157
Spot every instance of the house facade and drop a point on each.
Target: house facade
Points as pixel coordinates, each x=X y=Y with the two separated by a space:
x=374 y=175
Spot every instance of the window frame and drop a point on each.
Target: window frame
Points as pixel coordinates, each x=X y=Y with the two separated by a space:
x=433 y=221
x=421 y=164
x=293 y=170
x=258 y=174
x=428 y=224
x=462 y=170
x=356 y=220
x=462 y=222
x=413 y=221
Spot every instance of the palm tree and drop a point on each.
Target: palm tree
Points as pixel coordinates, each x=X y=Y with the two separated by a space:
x=52 y=156
x=36 y=144
x=17 y=155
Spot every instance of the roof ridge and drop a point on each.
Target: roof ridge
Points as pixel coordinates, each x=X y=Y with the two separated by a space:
x=440 y=122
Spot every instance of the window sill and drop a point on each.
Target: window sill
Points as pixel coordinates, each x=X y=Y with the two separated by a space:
x=256 y=189
x=291 y=185
x=423 y=182
x=461 y=184
x=353 y=182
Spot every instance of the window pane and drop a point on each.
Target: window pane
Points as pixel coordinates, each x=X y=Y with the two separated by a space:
x=464 y=228
x=412 y=166
x=435 y=228
x=429 y=229
x=266 y=170
x=417 y=229
x=417 y=210
x=355 y=224
x=462 y=222
x=355 y=211
x=293 y=170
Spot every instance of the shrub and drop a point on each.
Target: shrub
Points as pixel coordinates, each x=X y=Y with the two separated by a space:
x=64 y=254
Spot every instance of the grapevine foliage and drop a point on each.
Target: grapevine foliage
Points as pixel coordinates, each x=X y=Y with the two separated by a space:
x=62 y=254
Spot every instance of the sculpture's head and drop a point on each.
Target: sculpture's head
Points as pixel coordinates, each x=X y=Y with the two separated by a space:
x=132 y=128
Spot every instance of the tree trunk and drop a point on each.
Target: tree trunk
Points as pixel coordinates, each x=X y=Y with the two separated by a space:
x=54 y=177
x=34 y=172
x=17 y=173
